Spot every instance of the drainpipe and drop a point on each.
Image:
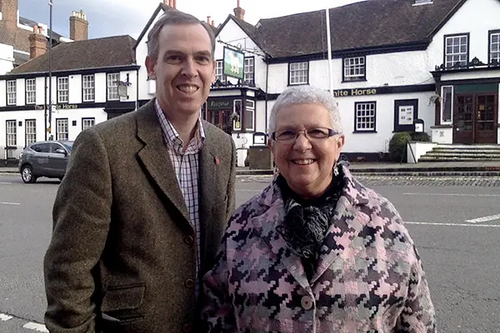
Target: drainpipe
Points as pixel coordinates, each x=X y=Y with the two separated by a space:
x=267 y=87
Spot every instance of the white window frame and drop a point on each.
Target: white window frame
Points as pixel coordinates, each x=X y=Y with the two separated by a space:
x=30 y=91
x=88 y=86
x=11 y=133
x=495 y=47
x=365 y=114
x=250 y=109
x=112 y=86
x=87 y=123
x=63 y=89
x=456 y=51
x=11 y=92
x=443 y=101
x=249 y=70
x=298 y=73
x=237 y=109
x=62 y=129
x=29 y=131
x=219 y=71
x=355 y=68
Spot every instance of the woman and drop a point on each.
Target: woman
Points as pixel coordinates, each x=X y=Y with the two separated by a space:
x=316 y=251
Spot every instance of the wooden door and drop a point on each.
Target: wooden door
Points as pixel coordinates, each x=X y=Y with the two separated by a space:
x=463 y=119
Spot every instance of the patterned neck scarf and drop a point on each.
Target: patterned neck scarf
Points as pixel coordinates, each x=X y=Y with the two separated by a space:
x=307 y=221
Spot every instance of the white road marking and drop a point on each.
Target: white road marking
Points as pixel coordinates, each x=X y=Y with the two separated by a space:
x=36 y=327
x=484 y=219
x=454 y=224
x=4 y=317
x=5 y=183
x=10 y=203
x=455 y=194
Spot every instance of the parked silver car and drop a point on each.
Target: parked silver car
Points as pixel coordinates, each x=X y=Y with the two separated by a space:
x=44 y=159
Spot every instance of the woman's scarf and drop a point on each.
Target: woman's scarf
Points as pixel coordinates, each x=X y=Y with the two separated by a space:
x=306 y=222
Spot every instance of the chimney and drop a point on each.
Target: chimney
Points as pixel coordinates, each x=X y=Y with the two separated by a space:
x=9 y=10
x=78 y=26
x=170 y=3
x=38 y=42
x=239 y=12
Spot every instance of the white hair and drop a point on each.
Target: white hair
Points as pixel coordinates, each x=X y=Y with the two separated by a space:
x=307 y=95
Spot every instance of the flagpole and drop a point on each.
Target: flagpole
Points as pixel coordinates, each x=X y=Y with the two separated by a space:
x=329 y=43
x=49 y=127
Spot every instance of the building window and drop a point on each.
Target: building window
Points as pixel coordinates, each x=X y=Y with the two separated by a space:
x=248 y=78
x=495 y=47
x=62 y=129
x=30 y=91
x=11 y=92
x=88 y=88
x=11 y=130
x=456 y=50
x=298 y=73
x=249 y=115
x=87 y=123
x=354 y=69
x=365 y=116
x=219 y=71
x=30 y=131
x=446 y=104
x=62 y=89
x=237 y=103
x=112 y=84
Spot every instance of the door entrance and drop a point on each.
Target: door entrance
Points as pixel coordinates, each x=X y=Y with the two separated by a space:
x=475 y=118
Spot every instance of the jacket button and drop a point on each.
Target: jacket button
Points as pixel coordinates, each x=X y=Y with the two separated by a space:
x=189 y=240
x=189 y=283
x=186 y=328
x=306 y=302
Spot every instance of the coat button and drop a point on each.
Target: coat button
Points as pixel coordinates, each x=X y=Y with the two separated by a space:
x=189 y=240
x=186 y=328
x=306 y=302
x=189 y=283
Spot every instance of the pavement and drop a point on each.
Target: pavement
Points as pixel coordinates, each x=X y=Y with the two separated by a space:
x=476 y=168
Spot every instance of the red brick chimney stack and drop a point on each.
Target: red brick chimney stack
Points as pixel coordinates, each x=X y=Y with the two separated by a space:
x=38 y=42
x=9 y=10
x=170 y=3
x=239 y=12
x=78 y=26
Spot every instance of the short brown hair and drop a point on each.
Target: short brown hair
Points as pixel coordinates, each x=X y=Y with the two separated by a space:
x=174 y=17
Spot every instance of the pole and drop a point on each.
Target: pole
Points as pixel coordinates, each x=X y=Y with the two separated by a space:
x=49 y=125
x=329 y=43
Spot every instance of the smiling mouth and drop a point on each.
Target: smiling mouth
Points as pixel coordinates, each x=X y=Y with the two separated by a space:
x=188 y=89
x=303 y=162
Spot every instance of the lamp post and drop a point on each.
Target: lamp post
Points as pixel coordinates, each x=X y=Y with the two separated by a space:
x=49 y=125
x=329 y=43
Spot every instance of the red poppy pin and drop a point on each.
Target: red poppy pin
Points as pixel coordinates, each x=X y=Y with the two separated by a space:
x=217 y=161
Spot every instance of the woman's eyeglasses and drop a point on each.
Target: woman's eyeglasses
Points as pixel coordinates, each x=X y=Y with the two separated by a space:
x=312 y=134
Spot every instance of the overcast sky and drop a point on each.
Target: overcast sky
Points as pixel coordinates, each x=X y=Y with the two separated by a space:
x=128 y=17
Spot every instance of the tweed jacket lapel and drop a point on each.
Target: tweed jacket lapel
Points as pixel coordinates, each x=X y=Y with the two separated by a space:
x=155 y=158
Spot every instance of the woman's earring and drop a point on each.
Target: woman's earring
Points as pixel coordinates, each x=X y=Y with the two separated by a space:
x=335 y=170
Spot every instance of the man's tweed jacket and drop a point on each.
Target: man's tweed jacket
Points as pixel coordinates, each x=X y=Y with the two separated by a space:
x=369 y=276
x=122 y=255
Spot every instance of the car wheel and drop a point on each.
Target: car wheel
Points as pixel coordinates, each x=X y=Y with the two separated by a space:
x=27 y=174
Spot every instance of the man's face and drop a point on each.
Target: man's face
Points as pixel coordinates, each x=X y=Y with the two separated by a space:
x=183 y=70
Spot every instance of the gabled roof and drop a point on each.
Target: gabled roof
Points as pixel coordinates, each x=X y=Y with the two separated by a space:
x=93 y=53
x=358 y=27
x=249 y=29
x=161 y=7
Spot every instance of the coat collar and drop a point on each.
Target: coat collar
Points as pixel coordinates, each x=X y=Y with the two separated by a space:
x=348 y=222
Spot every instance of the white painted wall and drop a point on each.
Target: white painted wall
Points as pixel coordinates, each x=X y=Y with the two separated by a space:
x=6 y=58
x=442 y=135
x=475 y=17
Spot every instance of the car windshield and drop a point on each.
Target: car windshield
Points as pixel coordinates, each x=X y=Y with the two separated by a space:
x=68 y=145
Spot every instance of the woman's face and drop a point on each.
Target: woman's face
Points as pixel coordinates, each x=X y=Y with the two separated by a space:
x=306 y=164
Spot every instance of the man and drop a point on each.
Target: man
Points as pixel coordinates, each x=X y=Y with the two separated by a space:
x=141 y=210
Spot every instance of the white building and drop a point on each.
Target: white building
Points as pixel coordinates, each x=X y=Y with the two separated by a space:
x=386 y=70
x=393 y=62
